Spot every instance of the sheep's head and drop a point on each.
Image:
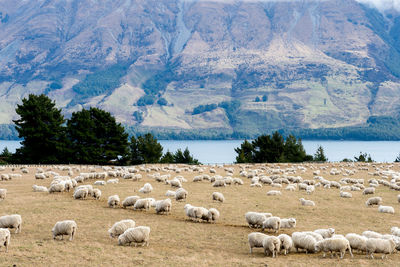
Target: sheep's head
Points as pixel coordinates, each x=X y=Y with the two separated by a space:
x=317 y=247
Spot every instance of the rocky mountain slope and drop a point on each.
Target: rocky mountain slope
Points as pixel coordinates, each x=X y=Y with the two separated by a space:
x=257 y=65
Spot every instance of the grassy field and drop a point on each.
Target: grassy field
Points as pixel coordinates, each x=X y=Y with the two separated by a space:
x=176 y=241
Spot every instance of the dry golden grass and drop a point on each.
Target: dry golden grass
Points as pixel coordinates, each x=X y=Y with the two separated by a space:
x=176 y=241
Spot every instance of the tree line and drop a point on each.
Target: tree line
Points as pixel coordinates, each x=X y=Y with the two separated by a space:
x=90 y=136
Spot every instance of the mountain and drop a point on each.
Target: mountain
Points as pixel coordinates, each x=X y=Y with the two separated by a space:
x=204 y=66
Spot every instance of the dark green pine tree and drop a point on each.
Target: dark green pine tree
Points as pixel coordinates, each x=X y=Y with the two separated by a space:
x=320 y=155
x=293 y=150
x=167 y=158
x=96 y=138
x=245 y=152
x=145 y=149
x=41 y=128
x=184 y=157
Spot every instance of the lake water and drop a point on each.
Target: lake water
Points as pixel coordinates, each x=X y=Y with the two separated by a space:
x=222 y=151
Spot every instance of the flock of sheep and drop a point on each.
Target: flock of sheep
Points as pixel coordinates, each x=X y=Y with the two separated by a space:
x=127 y=232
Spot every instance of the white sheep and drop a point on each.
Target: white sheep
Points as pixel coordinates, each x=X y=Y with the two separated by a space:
x=120 y=227
x=333 y=245
x=5 y=237
x=256 y=240
x=325 y=233
x=96 y=193
x=39 y=188
x=386 y=209
x=163 y=206
x=271 y=244
x=99 y=183
x=256 y=219
x=213 y=214
x=219 y=183
x=303 y=241
x=147 y=188
x=13 y=221
x=170 y=193
x=197 y=213
x=395 y=231
x=82 y=193
x=288 y=223
x=113 y=181
x=286 y=243
x=372 y=234
x=142 y=204
x=345 y=194
x=129 y=201
x=310 y=189
x=140 y=234
x=175 y=183
x=181 y=194
x=357 y=242
x=237 y=181
x=40 y=176
x=113 y=201
x=67 y=227
x=274 y=193
x=377 y=245
x=3 y=194
x=369 y=190
x=373 y=201
x=218 y=196
x=273 y=223
x=317 y=236
x=57 y=187
x=306 y=202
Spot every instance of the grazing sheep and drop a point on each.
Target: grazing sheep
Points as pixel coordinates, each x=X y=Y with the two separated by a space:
x=303 y=241
x=372 y=234
x=96 y=193
x=369 y=191
x=288 y=223
x=256 y=219
x=286 y=243
x=256 y=240
x=3 y=193
x=305 y=202
x=170 y=193
x=67 y=227
x=219 y=183
x=256 y=185
x=175 y=183
x=395 y=231
x=40 y=176
x=333 y=245
x=180 y=194
x=147 y=188
x=357 y=242
x=273 y=223
x=310 y=189
x=237 y=181
x=57 y=187
x=274 y=193
x=11 y=221
x=373 y=201
x=197 y=213
x=163 y=206
x=99 y=183
x=345 y=194
x=129 y=201
x=120 y=227
x=38 y=188
x=218 y=196
x=5 y=238
x=82 y=193
x=377 y=245
x=271 y=244
x=140 y=234
x=291 y=187
x=386 y=209
x=142 y=204
x=113 y=201
x=325 y=233
x=213 y=214
x=317 y=236
x=113 y=181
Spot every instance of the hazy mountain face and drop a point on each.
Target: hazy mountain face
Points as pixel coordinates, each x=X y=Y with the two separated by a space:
x=257 y=64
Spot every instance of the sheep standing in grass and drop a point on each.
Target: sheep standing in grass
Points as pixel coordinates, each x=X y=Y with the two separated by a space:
x=271 y=244
x=303 y=241
x=170 y=193
x=344 y=194
x=213 y=214
x=3 y=193
x=81 y=193
x=129 y=201
x=286 y=243
x=142 y=204
x=140 y=234
x=181 y=194
x=306 y=202
x=372 y=234
x=325 y=233
x=5 y=237
x=96 y=193
x=256 y=240
x=386 y=209
x=120 y=227
x=38 y=188
x=288 y=223
x=147 y=188
x=218 y=197
x=67 y=227
x=57 y=187
x=377 y=245
x=113 y=201
x=274 y=193
x=357 y=242
x=373 y=201
x=163 y=206
x=273 y=223
x=256 y=219
x=369 y=191
x=333 y=245
x=11 y=221
x=395 y=231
